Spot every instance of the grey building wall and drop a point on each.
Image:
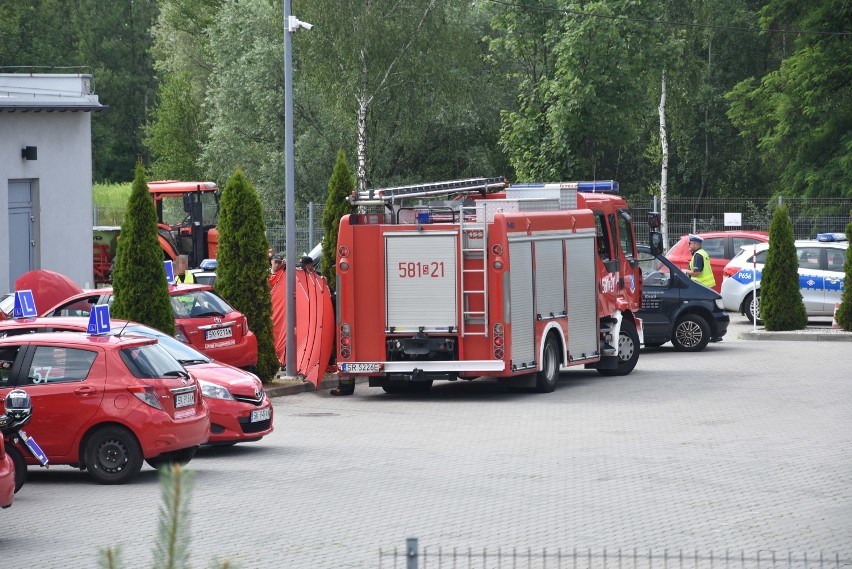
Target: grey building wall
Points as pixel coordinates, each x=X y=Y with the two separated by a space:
x=61 y=180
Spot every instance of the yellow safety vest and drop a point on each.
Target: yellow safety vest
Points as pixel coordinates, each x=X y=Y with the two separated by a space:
x=706 y=276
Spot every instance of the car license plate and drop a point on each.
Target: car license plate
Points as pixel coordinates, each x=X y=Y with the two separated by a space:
x=218 y=333
x=361 y=367
x=184 y=399
x=260 y=415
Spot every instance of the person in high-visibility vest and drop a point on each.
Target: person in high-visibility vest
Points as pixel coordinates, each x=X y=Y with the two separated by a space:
x=699 y=266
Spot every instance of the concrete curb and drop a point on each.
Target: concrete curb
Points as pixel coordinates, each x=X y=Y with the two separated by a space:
x=280 y=386
x=807 y=335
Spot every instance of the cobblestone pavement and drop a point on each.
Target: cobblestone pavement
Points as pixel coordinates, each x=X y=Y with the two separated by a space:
x=743 y=446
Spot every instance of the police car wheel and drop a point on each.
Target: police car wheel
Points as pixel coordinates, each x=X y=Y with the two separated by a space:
x=20 y=465
x=750 y=307
x=691 y=333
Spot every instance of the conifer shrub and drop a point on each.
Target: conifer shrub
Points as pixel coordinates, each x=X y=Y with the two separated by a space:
x=139 y=284
x=340 y=186
x=844 y=312
x=242 y=271
x=781 y=304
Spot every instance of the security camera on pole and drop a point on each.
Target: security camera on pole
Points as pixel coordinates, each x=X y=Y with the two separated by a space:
x=291 y=24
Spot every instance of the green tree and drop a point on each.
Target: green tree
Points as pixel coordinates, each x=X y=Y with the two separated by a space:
x=340 y=186
x=113 y=38
x=844 y=313
x=586 y=109
x=139 y=277
x=781 y=304
x=177 y=131
x=176 y=135
x=799 y=115
x=246 y=97
x=243 y=267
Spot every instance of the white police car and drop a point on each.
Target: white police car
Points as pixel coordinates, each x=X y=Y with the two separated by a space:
x=821 y=275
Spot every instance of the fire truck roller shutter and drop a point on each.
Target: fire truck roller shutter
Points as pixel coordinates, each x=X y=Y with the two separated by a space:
x=522 y=307
x=549 y=279
x=583 y=299
x=421 y=281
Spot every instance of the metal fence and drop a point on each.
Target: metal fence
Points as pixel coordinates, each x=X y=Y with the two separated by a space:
x=685 y=215
x=809 y=216
x=414 y=557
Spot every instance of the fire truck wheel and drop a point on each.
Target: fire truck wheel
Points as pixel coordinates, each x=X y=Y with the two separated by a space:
x=691 y=333
x=545 y=380
x=628 y=350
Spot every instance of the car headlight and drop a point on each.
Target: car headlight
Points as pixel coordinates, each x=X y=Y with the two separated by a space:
x=214 y=391
x=719 y=304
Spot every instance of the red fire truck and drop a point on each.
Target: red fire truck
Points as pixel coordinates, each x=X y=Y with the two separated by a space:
x=512 y=282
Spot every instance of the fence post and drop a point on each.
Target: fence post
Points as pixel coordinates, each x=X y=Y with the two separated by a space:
x=411 y=553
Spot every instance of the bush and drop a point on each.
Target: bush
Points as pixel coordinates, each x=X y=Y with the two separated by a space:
x=844 y=313
x=336 y=206
x=139 y=277
x=781 y=304
x=243 y=266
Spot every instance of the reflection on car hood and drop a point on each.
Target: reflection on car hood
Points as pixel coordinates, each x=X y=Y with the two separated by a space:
x=233 y=379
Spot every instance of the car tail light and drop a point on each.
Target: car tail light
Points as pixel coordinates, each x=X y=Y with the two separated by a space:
x=344 y=349
x=146 y=394
x=728 y=272
x=180 y=333
x=499 y=341
x=245 y=325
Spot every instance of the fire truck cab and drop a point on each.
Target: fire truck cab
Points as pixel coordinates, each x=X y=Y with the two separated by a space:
x=511 y=282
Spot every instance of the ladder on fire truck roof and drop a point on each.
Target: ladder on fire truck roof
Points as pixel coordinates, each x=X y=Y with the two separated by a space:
x=385 y=196
x=474 y=261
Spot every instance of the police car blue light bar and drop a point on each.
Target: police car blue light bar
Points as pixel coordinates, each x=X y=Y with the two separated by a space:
x=831 y=237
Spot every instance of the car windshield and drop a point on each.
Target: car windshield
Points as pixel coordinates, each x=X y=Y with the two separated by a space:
x=199 y=304
x=151 y=361
x=183 y=353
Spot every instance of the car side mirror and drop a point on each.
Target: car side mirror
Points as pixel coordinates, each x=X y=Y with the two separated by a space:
x=656 y=243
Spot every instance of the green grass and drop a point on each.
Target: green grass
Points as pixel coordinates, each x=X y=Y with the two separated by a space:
x=110 y=200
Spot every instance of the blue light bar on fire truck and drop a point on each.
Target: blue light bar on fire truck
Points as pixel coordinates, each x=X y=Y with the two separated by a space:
x=382 y=196
x=598 y=186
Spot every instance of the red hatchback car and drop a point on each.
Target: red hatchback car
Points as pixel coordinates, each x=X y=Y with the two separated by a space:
x=7 y=479
x=202 y=319
x=105 y=403
x=721 y=246
x=239 y=409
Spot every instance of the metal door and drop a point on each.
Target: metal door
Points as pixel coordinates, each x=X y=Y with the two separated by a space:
x=21 y=235
x=522 y=308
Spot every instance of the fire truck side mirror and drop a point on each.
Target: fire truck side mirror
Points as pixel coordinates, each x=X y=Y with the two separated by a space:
x=656 y=243
x=654 y=220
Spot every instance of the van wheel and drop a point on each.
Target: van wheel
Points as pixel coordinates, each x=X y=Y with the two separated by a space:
x=691 y=333
x=628 y=350
x=181 y=457
x=20 y=465
x=113 y=456
x=751 y=307
x=545 y=380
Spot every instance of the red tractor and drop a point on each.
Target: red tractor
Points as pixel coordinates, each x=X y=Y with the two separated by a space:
x=187 y=213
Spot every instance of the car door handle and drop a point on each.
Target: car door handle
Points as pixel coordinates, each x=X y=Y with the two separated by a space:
x=84 y=391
